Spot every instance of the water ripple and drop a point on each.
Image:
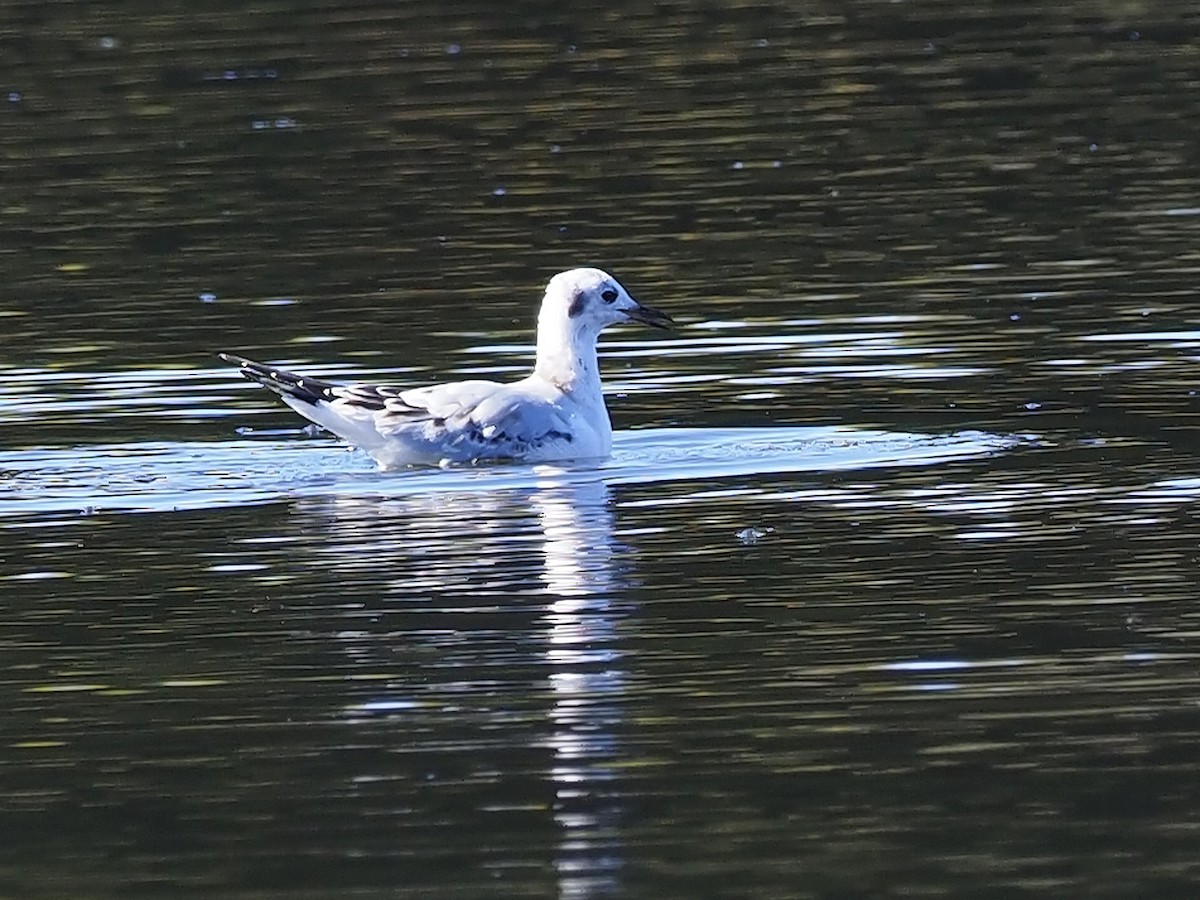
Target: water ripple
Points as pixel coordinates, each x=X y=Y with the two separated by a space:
x=198 y=475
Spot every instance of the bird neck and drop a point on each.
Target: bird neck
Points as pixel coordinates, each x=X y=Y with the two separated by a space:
x=566 y=357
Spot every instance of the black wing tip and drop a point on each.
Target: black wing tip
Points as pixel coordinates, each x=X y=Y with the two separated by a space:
x=286 y=384
x=243 y=362
x=251 y=369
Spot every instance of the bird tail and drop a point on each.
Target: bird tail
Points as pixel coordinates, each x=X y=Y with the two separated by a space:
x=286 y=384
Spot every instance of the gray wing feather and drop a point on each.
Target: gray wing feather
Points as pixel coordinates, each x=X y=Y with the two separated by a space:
x=480 y=412
x=460 y=420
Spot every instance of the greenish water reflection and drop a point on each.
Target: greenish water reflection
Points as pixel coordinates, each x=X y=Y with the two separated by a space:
x=974 y=676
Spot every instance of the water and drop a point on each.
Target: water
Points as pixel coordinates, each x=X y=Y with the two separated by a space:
x=887 y=590
x=167 y=477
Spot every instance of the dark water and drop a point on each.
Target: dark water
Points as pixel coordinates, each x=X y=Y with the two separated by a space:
x=889 y=589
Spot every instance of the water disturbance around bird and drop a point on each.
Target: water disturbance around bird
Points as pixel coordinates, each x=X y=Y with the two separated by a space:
x=161 y=477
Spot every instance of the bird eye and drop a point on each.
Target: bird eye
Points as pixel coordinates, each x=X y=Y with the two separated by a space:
x=608 y=296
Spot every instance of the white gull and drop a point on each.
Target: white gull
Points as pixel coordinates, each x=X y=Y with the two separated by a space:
x=556 y=413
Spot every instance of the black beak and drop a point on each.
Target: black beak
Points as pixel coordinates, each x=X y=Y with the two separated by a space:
x=648 y=315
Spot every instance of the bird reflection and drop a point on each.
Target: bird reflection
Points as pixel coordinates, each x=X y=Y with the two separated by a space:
x=544 y=560
x=587 y=681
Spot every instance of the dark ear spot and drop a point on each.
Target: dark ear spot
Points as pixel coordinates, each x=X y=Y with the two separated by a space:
x=578 y=302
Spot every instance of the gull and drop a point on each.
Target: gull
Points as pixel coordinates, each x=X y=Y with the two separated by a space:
x=557 y=413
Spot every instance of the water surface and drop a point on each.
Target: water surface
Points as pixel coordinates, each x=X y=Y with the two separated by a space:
x=888 y=589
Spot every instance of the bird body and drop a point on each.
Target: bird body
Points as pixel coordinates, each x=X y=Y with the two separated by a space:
x=556 y=413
